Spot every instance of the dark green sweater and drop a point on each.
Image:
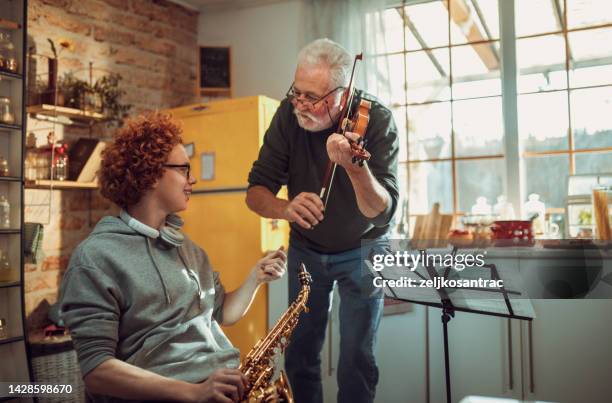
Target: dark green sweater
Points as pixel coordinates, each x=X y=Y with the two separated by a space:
x=297 y=158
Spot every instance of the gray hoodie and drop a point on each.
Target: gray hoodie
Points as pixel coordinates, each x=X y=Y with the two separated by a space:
x=125 y=296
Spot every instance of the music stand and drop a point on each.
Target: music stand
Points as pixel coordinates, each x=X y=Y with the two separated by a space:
x=508 y=301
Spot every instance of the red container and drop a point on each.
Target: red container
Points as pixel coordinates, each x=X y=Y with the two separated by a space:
x=513 y=233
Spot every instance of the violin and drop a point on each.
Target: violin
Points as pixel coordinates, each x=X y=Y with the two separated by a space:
x=351 y=120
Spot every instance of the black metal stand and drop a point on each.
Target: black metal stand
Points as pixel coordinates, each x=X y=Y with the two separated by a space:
x=448 y=312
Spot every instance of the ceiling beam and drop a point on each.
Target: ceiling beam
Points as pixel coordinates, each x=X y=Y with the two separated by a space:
x=461 y=15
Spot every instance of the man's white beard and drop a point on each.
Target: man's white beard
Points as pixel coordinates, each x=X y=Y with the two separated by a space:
x=311 y=123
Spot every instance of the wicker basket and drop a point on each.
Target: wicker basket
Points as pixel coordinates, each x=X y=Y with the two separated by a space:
x=60 y=368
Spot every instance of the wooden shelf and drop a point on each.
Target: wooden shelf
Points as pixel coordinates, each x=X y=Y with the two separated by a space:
x=11 y=340
x=9 y=284
x=4 y=126
x=8 y=24
x=48 y=184
x=10 y=75
x=10 y=179
x=9 y=231
x=72 y=113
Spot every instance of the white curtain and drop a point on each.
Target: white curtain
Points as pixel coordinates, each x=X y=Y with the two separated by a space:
x=358 y=25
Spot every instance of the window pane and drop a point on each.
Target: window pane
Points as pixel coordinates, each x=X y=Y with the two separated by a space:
x=581 y=13
x=474 y=21
x=478 y=127
x=391 y=37
x=430 y=182
x=429 y=131
x=547 y=176
x=477 y=178
x=541 y=63
x=476 y=70
x=591 y=110
x=543 y=121
x=427 y=76
x=429 y=21
x=591 y=61
x=399 y=114
x=396 y=69
x=593 y=163
x=537 y=16
x=400 y=219
x=382 y=78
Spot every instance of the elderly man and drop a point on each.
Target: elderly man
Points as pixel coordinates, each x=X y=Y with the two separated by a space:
x=329 y=239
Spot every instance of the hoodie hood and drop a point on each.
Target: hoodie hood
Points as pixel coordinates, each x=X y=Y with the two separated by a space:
x=117 y=226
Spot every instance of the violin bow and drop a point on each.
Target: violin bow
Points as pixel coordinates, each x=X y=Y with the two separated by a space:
x=342 y=126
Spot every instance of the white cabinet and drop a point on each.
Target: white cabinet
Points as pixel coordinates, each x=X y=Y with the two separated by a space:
x=483 y=357
x=568 y=357
x=400 y=356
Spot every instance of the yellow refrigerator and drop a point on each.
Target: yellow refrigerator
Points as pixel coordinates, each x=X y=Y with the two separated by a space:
x=223 y=140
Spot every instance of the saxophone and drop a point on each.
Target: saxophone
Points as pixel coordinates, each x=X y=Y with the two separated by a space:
x=258 y=366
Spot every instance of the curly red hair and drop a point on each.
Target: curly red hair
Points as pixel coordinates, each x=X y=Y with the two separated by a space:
x=135 y=159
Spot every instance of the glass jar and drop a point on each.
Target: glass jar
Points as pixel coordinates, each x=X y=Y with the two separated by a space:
x=6 y=273
x=30 y=165
x=5 y=213
x=3 y=329
x=6 y=111
x=4 y=167
x=8 y=55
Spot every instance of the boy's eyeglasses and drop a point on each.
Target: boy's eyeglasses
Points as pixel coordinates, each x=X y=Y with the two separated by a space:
x=184 y=169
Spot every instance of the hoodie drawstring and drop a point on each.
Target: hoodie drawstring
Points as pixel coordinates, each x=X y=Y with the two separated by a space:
x=150 y=250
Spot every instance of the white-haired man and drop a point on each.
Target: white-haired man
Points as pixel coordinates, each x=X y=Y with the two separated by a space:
x=329 y=240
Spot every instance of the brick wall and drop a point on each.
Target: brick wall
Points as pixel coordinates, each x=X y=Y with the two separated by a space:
x=152 y=44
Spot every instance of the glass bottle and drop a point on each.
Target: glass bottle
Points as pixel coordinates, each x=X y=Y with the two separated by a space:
x=61 y=163
x=4 y=167
x=482 y=206
x=5 y=213
x=6 y=111
x=8 y=55
x=503 y=208
x=535 y=210
x=5 y=268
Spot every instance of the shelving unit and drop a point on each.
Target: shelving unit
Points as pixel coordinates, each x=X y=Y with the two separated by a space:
x=13 y=17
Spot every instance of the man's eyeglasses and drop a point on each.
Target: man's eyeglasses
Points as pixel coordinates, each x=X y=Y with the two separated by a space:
x=184 y=169
x=306 y=99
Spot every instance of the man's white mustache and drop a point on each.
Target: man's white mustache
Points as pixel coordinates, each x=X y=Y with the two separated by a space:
x=304 y=115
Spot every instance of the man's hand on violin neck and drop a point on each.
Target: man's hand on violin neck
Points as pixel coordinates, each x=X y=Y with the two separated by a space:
x=306 y=209
x=339 y=150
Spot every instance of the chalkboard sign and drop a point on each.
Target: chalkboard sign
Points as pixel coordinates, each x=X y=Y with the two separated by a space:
x=215 y=68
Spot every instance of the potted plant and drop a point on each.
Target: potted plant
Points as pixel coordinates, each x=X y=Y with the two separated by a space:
x=107 y=87
x=71 y=91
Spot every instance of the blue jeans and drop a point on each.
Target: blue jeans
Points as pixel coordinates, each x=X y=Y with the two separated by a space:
x=360 y=312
